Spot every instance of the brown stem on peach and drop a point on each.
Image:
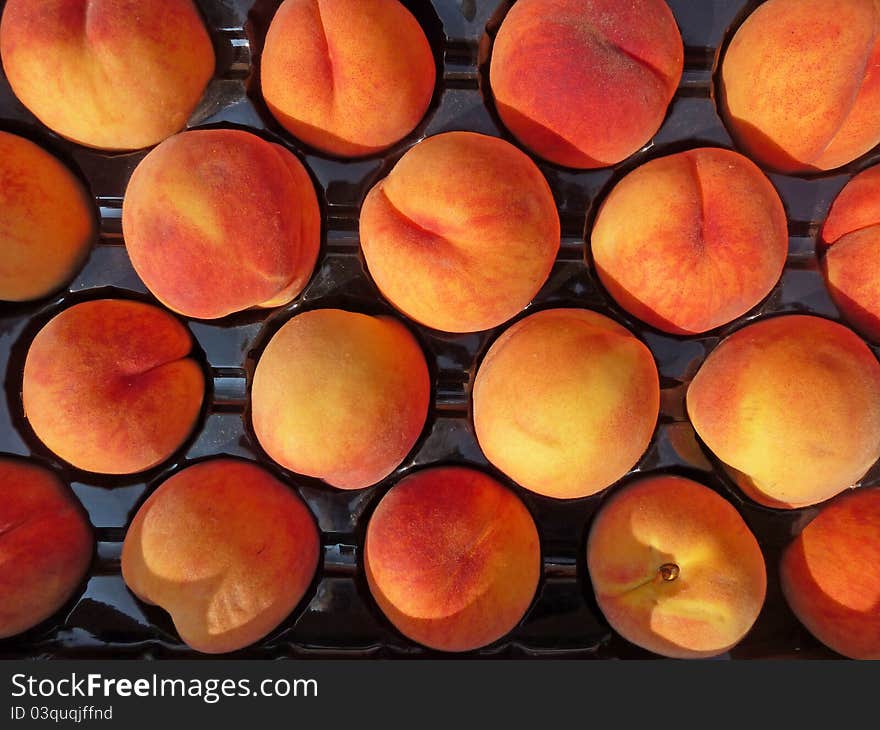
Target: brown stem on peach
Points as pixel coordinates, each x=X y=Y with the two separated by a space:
x=669 y=571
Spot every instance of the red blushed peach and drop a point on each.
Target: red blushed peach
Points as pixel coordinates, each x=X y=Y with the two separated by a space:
x=852 y=235
x=691 y=241
x=675 y=569
x=791 y=406
x=226 y=549
x=341 y=396
x=110 y=387
x=47 y=221
x=217 y=221
x=349 y=77
x=585 y=83
x=800 y=83
x=112 y=74
x=565 y=402
x=452 y=558
x=46 y=545
x=462 y=233
x=830 y=575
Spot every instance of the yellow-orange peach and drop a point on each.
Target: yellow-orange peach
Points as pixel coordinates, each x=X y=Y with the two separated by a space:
x=110 y=387
x=217 y=221
x=226 y=549
x=800 y=83
x=675 y=569
x=830 y=575
x=691 y=241
x=341 y=396
x=46 y=545
x=452 y=558
x=111 y=74
x=565 y=402
x=791 y=406
x=585 y=83
x=852 y=235
x=47 y=221
x=462 y=233
x=349 y=77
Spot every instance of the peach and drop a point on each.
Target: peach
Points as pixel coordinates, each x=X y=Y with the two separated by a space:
x=565 y=402
x=585 y=83
x=791 y=406
x=46 y=545
x=111 y=74
x=452 y=558
x=349 y=77
x=800 y=83
x=462 y=233
x=691 y=241
x=341 y=396
x=228 y=550
x=47 y=221
x=110 y=387
x=830 y=575
x=217 y=221
x=852 y=236
x=675 y=569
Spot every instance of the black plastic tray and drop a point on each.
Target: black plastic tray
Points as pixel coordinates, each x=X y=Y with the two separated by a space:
x=337 y=616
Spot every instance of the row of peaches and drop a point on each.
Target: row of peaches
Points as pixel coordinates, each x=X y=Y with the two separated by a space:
x=451 y=557
x=580 y=84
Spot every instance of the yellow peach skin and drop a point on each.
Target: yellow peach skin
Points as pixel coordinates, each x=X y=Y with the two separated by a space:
x=349 y=77
x=585 y=83
x=217 y=221
x=46 y=545
x=565 y=402
x=110 y=387
x=226 y=549
x=675 y=569
x=691 y=241
x=830 y=575
x=341 y=396
x=800 y=83
x=791 y=406
x=852 y=236
x=111 y=74
x=452 y=558
x=462 y=233
x=47 y=221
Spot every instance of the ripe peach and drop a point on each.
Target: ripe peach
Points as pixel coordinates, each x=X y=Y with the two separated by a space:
x=585 y=83
x=800 y=83
x=852 y=234
x=349 y=77
x=341 y=396
x=462 y=233
x=46 y=545
x=573 y=428
x=110 y=387
x=675 y=569
x=226 y=549
x=217 y=221
x=691 y=241
x=791 y=406
x=47 y=221
x=452 y=558
x=830 y=575
x=114 y=75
